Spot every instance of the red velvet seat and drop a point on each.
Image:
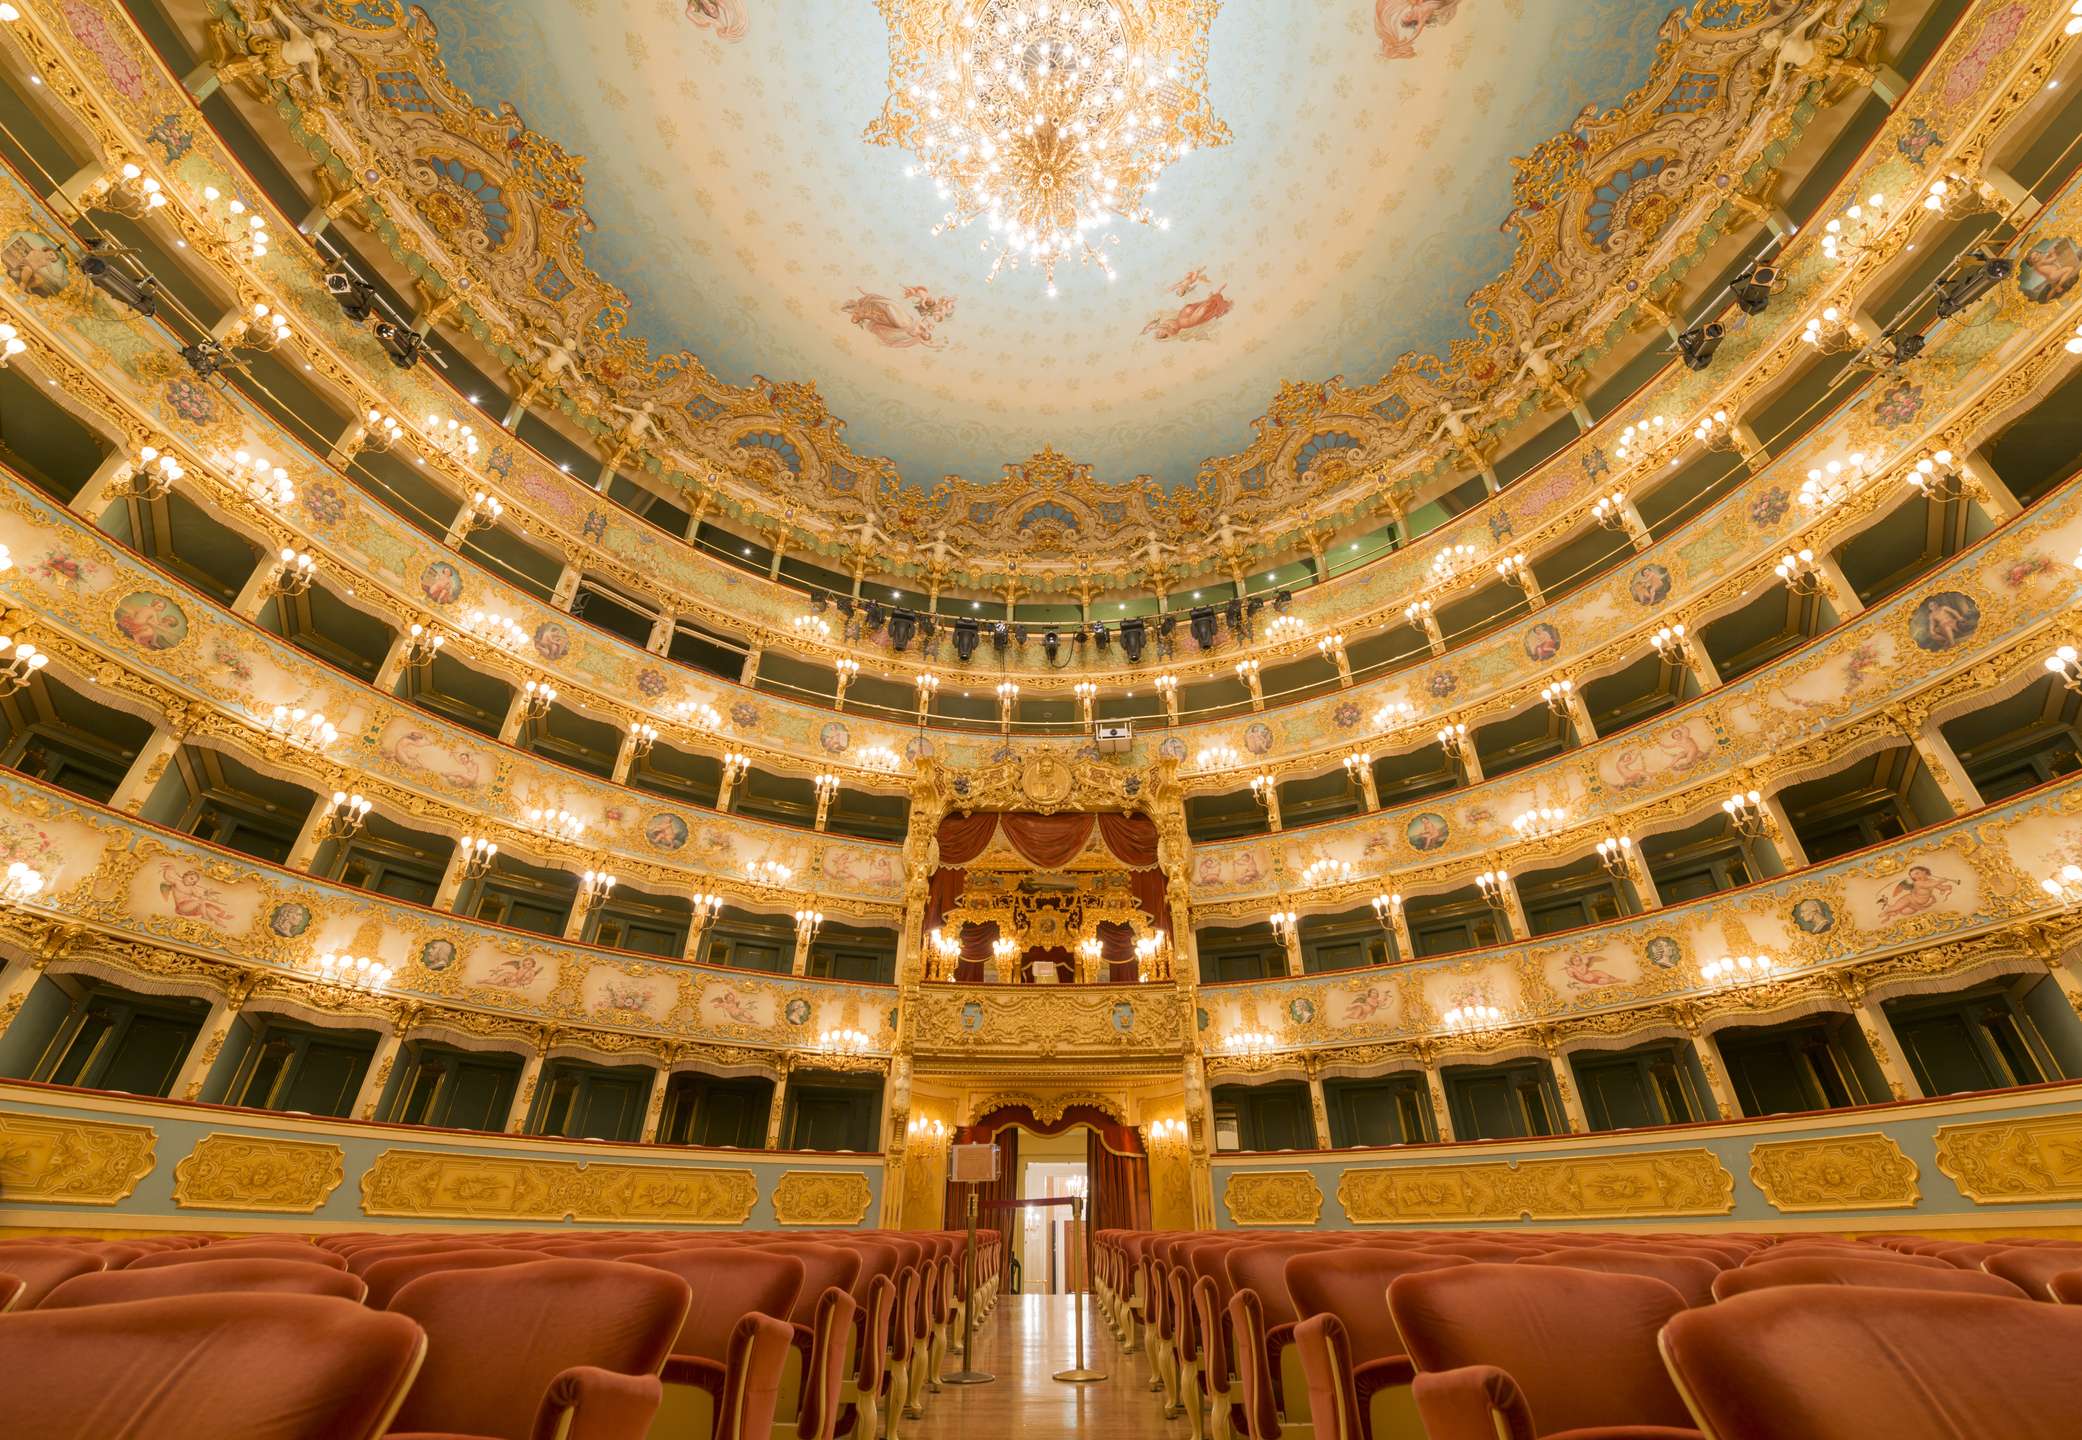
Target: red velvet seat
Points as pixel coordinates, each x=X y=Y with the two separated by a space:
x=386 y=1278
x=2066 y=1287
x=1855 y=1270
x=705 y=1395
x=1351 y=1282
x=243 y=1250
x=206 y=1367
x=1849 y=1363
x=1688 y=1275
x=42 y=1268
x=824 y=1376
x=520 y=1351
x=279 y=1277
x=1875 y=1253
x=1513 y=1352
x=11 y=1288
x=2032 y=1268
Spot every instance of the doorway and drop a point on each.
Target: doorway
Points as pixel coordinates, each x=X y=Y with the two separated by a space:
x=1051 y=1248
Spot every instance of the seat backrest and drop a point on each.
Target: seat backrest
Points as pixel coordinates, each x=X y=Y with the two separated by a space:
x=728 y=1283
x=1872 y=1274
x=823 y=1266
x=1352 y=1284
x=831 y=1333
x=1845 y=1252
x=387 y=1277
x=42 y=1268
x=1580 y=1345
x=1263 y=1268
x=1326 y=1368
x=2066 y=1287
x=243 y=1250
x=496 y=1338
x=753 y=1355
x=11 y=1288
x=279 y=1277
x=2032 y=1268
x=1850 y=1363
x=1688 y=1275
x=871 y=1352
x=207 y=1367
x=1261 y=1415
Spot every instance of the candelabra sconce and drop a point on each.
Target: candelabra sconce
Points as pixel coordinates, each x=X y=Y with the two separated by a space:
x=2066 y=662
x=305 y=729
x=946 y=951
x=1747 y=813
x=1637 y=439
x=1386 y=909
x=1495 y=886
x=484 y=512
x=771 y=873
x=1284 y=628
x=1003 y=951
x=643 y=738
x=1332 y=648
x=843 y=1041
x=556 y=822
x=845 y=671
x=927 y=1132
x=151 y=476
x=879 y=758
x=1830 y=333
x=2064 y=885
x=1538 y=821
x=734 y=767
x=1359 y=769
x=1800 y=572
x=1167 y=691
x=496 y=629
x=1451 y=560
x=1737 y=969
x=244 y=232
x=354 y=972
x=293 y=573
x=1513 y=570
x=21 y=883
x=827 y=785
x=19 y=662
x=1008 y=699
x=379 y=432
x=1673 y=645
x=1236 y=1042
x=1088 y=953
x=811 y=627
x=1610 y=512
x=1169 y=1131
x=1829 y=484
x=1265 y=789
x=451 y=437
x=1954 y=196
x=536 y=698
x=262 y=330
x=1846 y=236
x=1247 y=671
x=1560 y=697
x=11 y=343
x=1420 y=613
x=1319 y=873
x=1284 y=923
x=128 y=192
x=705 y=908
x=265 y=484
x=1718 y=432
x=1616 y=854
x=1394 y=715
x=1220 y=757
x=927 y=687
x=1087 y=693
x=343 y=817
x=697 y=716
x=1935 y=475
x=594 y=889
x=1453 y=739
x=807 y=924
x=1152 y=958
x=1472 y=1018
x=422 y=644
x=474 y=856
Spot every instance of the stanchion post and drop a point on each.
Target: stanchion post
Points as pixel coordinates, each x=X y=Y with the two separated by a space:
x=969 y=1374
x=1081 y=1374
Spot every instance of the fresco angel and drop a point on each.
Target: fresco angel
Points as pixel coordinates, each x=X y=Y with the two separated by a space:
x=901 y=324
x=1399 y=23
x=1194 y=316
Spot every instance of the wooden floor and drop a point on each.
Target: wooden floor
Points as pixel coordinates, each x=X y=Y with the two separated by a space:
x=1023 y=1344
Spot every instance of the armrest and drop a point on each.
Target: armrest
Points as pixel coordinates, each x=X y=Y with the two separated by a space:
x=695 y=1370
x=1277 y=1338
x=600 y=1405
x=805 y=1340
x=1475 y=1402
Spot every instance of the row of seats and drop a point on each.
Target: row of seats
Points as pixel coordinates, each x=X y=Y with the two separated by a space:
x=740 y=1335
x=1465 y=1335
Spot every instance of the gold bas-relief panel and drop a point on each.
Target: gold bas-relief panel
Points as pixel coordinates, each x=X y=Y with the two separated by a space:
x=1841 y=1172
x=249 y=1172
x=2014 y=1162
x=822 y=1197
x=72 y=1162
x=415 y=1183
x=1592 y=1187
x=1273 y=1197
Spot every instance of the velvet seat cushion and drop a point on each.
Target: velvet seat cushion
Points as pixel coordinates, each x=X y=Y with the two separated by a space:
x=1850 y=1363
x=243 y=1250
x=1852 y=1270
x=1689 y=1275
x=386 y=1278
x=280 y=1277
x=509 y=1344
x=42 y=1268
x=206 y=1367
x=2032 y=1268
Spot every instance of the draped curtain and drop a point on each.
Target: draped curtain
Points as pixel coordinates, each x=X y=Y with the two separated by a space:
x=1117 y=950
x=1120 y=1186
x=1116 y=1166
x=1047 y=842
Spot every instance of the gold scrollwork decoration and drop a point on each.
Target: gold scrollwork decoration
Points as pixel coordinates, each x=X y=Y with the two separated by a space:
x=822 y=1197
x=1273 y=1197
x=252 y=1172
x=72 y=1162
x=1633 y=1185
x=434 y=1184
x=1835 y=1172
x=2014 y=1162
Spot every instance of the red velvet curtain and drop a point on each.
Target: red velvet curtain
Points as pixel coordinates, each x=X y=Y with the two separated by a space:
x=976 y=941
x=1131 y=839
x=1120 y=1185
x=1117 y=949
x=963 y=837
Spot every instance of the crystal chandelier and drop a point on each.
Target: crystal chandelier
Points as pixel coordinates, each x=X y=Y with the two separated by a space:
x=1047 y=120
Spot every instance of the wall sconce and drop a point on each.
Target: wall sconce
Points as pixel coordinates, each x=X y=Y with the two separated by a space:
x=1831 y=483
x=771 y=873
x=1453 y=739
x=1265 y=789
x=1249 y=1042
x=697 y=716
x=484 y=512
x=292 y=574
x=452 y=438
x=422 y=644
x=1737 y=969
x=1394 y=714
x=379 y=431
x=496 y=629
x=1003 y=950
x=1386 y=908
x=843 y=1041
x=1417 y=611
x=354 y=972
x=1472 y=1017
x=305 y=729
x=1616 y=854
x=19 y=662
x=1800 y=572
x=151 y=476
x=807 y=924
x=1357 y=764
x=1495 y=886
x=1672 y=645
x=1173 y=1132
x=946 y=951
x=243 y=232
x=1217 y=757
x=264 y=483
x=735 y=765
x=878 y=757
x=1167 y=691
x=21 y=884
x=594 y=889
x=1846 y=236
x=1451 y=560
x=1326 y=872
x=1539 y=820
x=845 y=671
x=474 y=856
x=343 y=817
x=1513 y=570
x=704 y=909
x=928 y=686
x=11 y=343
x=2064 y=885
x=1008 y=697
x=2064 y=662
x=1936 y=478
x=1747 y=814
x=1638 y=437
x=1611 y=512
x=930 y=1132
x=1558 y=695
x=128 y=192
x=642 y=737
x=1283 y=924
x=557 y=823
x=811 y=627
x=1087 y=692
x=536 y=698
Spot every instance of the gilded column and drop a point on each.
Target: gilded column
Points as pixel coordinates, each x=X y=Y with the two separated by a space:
x=20 y=978
x=1319 y=1108
x=1435 y=1088
x=209 y=1042
x=1572 y=1106
x=654 y=1113
x=779 y=1110
x=1938 y=758
x=1887 y=1051
x=524 y=1093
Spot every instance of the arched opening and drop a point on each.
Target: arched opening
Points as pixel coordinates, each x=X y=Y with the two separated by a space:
x=1080 y=1150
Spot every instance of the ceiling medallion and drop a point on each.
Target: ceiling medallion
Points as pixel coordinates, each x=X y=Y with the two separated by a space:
x=1047 y=120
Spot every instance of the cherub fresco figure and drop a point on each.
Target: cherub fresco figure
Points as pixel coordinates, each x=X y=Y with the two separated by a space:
x=1190 y=320
x=901 y=325
x=1585 y=973
x=1919 y=890
x=726 y=17
x=1399 y=23
x=515 y=972
x=191 y=897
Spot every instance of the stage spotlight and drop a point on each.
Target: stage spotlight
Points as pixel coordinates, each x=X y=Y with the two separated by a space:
x=139 y=292
x=206 y=357
x=406 y=345
x=1698 y=344
x=1133 y=634
x=1754 y=287
x=903 y=624
x=357 y=296
x=1962 y=288
x=966 y=634
x=1202 y=624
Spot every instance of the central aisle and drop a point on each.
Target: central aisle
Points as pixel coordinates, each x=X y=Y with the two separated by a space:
x=1024 y=1343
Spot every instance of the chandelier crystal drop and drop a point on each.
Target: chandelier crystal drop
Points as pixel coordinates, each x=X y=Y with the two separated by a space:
x=1047 y=121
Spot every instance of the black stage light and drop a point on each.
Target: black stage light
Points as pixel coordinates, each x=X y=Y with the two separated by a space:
x=1000 y=635
x=903 y=624
x=1202 y=625
x=1166 y=625
x=1282 y=599
x=1051 y=641
x=1099 y=633
x=1133 y=634
x=139 y=292
x=1233 y=614
x=1754 y=287
x=406 y=345
x=357 y=296
x=1959 y=290
x=873 y=611
x=1254 y=605
x=1698 y=344
x=966 y=633
x=206 y=357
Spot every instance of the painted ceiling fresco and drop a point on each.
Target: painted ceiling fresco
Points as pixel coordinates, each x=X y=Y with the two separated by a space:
x=1363 y=198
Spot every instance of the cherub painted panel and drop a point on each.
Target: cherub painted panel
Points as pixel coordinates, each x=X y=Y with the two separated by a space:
x=608 y=990
x=731 y=1003
x=529 y=973
x=183 y=889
